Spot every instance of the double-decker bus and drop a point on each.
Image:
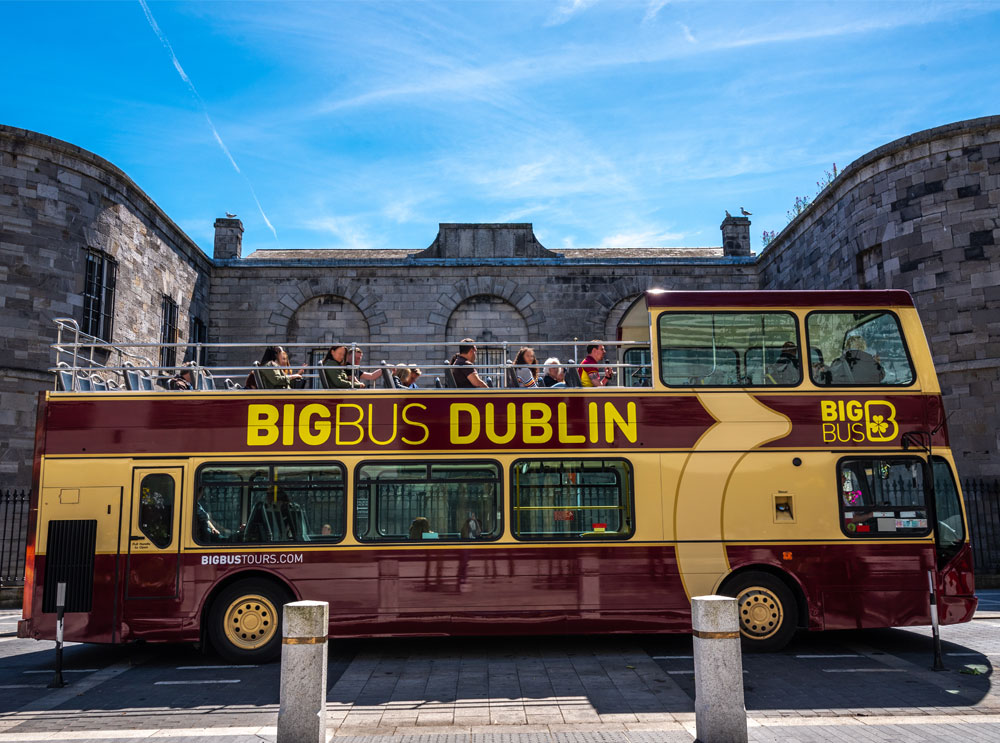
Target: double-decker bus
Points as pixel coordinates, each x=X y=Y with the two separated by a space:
x=787 y=448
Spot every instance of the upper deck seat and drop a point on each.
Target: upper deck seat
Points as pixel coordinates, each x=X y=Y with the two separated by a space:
x=387 y=375
x=83 y=383
x=511 y=376
x=572 y=375
x=449 y=376
x=65 y=376
x=146 y=382
x=205 y=379
x=131 y=377
x=97 y=384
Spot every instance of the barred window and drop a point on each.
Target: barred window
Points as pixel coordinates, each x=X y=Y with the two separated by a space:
x=403 y=501
x=99 y=294
x=729 y=349
x=572 y=499
x=261 y=503
x=198 y=333
x=168 y=334
x=883 y=497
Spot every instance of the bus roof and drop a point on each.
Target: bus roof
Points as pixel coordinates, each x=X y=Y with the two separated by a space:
x=779 y=298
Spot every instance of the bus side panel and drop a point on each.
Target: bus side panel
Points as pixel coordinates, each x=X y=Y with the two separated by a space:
x=854 y=584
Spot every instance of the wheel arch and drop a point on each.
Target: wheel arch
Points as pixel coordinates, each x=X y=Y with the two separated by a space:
x=228 y=580
x=790 y=581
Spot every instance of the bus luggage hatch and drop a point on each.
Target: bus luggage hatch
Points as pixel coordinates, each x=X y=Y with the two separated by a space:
x=154 y=546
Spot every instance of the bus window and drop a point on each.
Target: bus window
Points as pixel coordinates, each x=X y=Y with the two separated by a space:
x=951 y=530
x=639 y=373
x=882 y=497
x=403 y=501
x=729 y=349
x=862 y=348
x=572 y=499
x=156 y=509
x=261 y=503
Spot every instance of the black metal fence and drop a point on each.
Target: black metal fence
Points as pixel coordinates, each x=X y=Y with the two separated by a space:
x=13 y=536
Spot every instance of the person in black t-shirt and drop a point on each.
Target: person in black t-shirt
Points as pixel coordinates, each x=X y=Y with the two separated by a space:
x=465 y=372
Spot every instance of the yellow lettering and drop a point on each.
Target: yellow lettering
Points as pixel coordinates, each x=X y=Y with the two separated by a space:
x=356 y=423
x=595 y=424
x=841 y=415
x=491 y=426
x=531 y=422
x=565 y=437
x=857 y=432
x=829 y=435
x=371 y=418
x=457 y=408
x=407 y=421
x=261 y=425
x=306 y=426
x=288 y=425
x=626 y=424
x=854 y=410
x=828 y=410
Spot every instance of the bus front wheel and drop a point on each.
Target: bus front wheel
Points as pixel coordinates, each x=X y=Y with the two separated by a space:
x=767 y=611
x=245 y=621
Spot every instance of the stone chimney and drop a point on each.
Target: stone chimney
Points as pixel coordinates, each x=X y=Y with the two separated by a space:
x=735 y=236
x=228 y=239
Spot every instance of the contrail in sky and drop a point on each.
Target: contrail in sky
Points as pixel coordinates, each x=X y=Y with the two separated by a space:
x=204 y=109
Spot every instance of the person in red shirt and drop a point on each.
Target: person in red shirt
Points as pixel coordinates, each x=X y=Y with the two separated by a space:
x=590 y=375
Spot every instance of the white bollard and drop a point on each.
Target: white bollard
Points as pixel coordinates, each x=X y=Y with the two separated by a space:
x=302 y=714
x=719 y=710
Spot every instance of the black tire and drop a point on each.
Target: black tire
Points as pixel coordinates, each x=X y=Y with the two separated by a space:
x=768 y=611
x=244 y=623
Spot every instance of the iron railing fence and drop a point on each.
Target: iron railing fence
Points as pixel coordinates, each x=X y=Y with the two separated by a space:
x=13 y=536
x=982 y=504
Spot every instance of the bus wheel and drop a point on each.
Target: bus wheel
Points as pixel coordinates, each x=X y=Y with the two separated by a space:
x=767 y=611
x=245 y=621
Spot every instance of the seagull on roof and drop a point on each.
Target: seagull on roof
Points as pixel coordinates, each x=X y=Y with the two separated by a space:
x=728 y=214
x=745 y=213
x=230 y=215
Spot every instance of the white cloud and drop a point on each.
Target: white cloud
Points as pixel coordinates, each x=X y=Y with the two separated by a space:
x=346 y=229
x=653 y=9
x=688 y=35
x=567 y=9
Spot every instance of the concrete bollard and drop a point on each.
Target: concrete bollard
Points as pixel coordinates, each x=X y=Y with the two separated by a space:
x=302 y=714
x=719 y=708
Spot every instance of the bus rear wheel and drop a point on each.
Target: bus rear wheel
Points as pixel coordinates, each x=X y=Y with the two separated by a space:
x=245 y=621
x=767 y=611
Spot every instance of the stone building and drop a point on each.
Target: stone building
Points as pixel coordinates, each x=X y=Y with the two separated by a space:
x=79 y=239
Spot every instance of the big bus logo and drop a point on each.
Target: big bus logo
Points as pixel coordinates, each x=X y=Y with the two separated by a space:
x=846 y=421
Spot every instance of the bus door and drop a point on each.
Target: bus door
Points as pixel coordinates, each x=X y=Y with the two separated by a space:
x=153 y=545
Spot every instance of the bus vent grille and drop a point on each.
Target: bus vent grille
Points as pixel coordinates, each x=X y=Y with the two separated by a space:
x=70 y=560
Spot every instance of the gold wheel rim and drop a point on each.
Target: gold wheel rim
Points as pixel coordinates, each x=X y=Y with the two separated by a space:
x=251 y=622
x=761 y=613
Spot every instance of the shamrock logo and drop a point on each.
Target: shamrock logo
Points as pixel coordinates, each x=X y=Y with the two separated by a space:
x=877 y=426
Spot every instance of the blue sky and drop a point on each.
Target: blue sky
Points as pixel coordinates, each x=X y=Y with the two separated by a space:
x=604 y=123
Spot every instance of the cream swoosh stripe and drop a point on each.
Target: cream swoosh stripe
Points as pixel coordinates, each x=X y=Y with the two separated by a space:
x=742 y=424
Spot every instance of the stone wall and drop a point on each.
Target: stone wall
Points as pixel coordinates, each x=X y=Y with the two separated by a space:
x=56 y=202
x=921 y=214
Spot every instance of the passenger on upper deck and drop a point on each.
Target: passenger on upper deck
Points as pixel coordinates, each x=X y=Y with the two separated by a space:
x=273 y=364
x=552 y=375
x=856 y=365
x=338 y=376
x=415 y=373
x=182 y=380
x=524 y=367
x=465 y=372
x=590 y=375
x=364 y=375
x=401 y=377
x=786 y=369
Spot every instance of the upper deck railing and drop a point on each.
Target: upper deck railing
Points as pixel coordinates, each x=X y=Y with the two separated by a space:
x=85 y=363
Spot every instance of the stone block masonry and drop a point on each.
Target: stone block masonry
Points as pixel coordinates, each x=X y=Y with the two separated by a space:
x=921 y=213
